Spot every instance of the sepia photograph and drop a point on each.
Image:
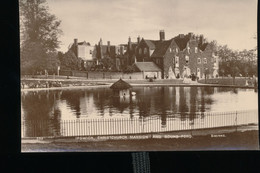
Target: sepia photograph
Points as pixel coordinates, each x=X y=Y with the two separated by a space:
x=147 y=75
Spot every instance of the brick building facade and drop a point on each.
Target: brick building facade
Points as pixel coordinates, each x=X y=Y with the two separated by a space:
x=180 y=56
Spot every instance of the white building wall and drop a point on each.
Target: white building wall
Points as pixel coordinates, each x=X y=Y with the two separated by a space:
x=85 y=52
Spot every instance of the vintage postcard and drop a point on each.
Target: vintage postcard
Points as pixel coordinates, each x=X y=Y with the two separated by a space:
x=147 y=75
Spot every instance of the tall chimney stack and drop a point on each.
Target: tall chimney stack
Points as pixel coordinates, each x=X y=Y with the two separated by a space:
x=129 y=43
x=108 y=46
x=138 y=39
x=162 y=35
x=202 y=39
x=76 y=42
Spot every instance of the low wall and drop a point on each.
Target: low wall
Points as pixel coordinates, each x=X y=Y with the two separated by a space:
x=239 y=81
x=102 y=75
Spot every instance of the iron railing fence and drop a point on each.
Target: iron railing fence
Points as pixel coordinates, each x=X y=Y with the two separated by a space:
x=140 y=125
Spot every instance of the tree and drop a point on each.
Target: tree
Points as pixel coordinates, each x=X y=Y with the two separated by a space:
x=129 y=69
x=69 y=61
x=32 y=58
x=39 y=36
x=38 y=25
x=108 y=63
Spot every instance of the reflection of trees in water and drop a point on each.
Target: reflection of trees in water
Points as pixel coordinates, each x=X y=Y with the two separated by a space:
x=164 y=104
x=223 y=89
x=143 y=101
x=101 y=98
x=121 y=103
x=72 y=98
x=37 y=105
x=208 y=90
x=193 y=104
x=54 y=129
x=183 y=108
x=41 y=113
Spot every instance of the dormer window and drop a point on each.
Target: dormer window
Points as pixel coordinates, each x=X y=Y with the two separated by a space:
x=176 y=50
x=170 y=49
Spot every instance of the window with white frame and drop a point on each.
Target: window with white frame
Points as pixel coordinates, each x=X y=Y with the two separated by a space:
x=199 y=61
x=205 y=60
x=176 y=50
x=170 y=49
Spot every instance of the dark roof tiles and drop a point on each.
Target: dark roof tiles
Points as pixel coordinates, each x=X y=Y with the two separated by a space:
x=161 y=48
x=147 y=66
x=120 y=85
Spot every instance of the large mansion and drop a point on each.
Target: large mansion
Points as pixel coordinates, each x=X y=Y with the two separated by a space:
x=177 y=57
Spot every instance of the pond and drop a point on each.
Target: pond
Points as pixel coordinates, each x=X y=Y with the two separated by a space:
x=163 y=102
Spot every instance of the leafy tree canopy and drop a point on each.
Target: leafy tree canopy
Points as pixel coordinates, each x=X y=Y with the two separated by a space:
x=39 y=36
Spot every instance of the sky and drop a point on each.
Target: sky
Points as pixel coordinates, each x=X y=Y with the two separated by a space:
x=229 y=22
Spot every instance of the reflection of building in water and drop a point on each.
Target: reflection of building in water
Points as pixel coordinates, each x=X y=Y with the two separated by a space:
x=177 y=96
x=164 y=107
x=202 y=100
x=120 y=103
x=83 y=104
x=183 y=106
x=187 y=95
x=172 y=101
x=86 y=105
x=193 y=102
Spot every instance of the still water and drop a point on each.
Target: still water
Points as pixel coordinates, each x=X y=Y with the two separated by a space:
x=149 y=101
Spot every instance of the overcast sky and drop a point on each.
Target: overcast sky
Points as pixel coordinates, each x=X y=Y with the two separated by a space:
x=231 y=22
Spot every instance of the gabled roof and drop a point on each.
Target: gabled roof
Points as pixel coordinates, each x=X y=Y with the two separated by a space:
x=202 y=46
x=147 y=66
x=161 y=48
x=182 y=42
x=150 y=43
x=120 y=84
